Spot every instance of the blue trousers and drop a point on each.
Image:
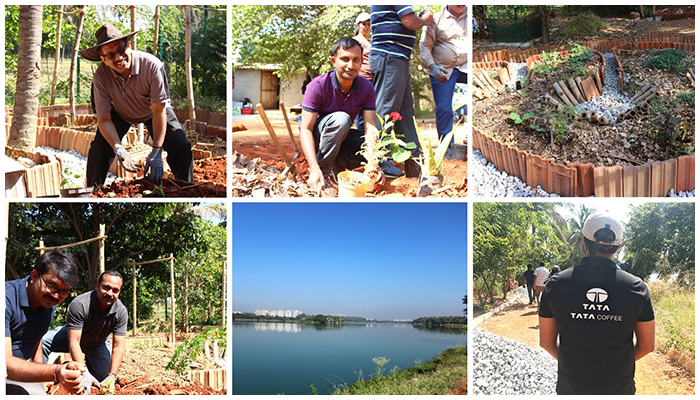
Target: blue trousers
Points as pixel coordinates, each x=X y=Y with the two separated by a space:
x=97 y=359
x=442 y=94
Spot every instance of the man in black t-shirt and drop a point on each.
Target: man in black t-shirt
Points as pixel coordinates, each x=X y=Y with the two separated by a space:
x=595 y=309
x=530 y=282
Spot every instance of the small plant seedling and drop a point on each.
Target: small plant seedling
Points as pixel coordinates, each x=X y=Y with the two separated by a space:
x=537 y=127
x=519 y=120
x=521 y=93
x=156 y=192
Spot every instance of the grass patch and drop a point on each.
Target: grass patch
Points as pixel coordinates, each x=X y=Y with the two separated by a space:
x=586 y=24
x=674 y=309
x=441 y=375
x=671 y=59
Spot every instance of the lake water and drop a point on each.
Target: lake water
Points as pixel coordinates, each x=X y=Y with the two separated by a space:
x=286 y=358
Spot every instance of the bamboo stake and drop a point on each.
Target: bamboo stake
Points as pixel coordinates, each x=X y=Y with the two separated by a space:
x=641 y=92
x=156 y=20
x=598 y=81
x=289 y=129
x=59 y=21
x=172 y=296
x=188 y=66
x=551 y=100
x=568 y=93
x=575 y=91
x=134 y=319
x=132 y=12
x=579 y=85
x=74 y=62
x=562 y=95
x=101 y=249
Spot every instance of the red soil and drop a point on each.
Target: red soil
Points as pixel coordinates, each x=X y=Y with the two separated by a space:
x=134 y=188
x=131 y=389
x=210 y=170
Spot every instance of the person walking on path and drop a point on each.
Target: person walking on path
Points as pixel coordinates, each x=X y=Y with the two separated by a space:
x=393 y=36
x=131 y=87
x=529 y=276
x=541 y=273
x=590 y=314
x=444 y=51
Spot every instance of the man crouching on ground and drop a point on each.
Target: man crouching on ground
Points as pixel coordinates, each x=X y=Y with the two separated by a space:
x=330 y=105
x=595 y=309
x=92 y=317
x=130 y=87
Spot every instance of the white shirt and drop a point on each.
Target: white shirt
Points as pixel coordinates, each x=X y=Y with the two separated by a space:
x=541 y=274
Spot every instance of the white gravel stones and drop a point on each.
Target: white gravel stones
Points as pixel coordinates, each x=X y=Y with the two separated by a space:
x=611 y=103
x=73 y=164
x=672 y=193
x=506 y=367
x=519 y=72
x=488 y=181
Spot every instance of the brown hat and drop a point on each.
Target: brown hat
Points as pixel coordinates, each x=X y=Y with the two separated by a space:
x=107 y=33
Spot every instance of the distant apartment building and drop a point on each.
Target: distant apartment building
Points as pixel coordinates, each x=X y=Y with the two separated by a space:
x=279 y=313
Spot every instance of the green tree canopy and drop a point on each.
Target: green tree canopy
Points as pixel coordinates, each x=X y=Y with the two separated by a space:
x=662 y=240
x=135 y=231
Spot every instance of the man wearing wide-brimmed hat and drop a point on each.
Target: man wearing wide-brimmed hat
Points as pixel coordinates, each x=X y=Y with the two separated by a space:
x=595 y=309
x=131 y=87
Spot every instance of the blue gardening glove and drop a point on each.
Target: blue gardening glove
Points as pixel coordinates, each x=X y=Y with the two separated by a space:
x=439 y=73
x=125 y=159
x=154 y=161
x=88 y=382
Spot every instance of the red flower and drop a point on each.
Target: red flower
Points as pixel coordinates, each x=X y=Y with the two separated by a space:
x=395 y=116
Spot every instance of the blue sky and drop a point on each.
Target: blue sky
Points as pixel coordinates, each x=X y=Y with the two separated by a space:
x=380 y=260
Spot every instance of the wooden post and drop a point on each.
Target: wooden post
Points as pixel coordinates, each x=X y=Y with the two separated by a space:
x=172 y=299
x=101 y=249
x=132 y=11
x=156 y=20
x=186 y=304
x=223 y=295
x=74 y=62
x=188 y=68
x=134 y=320
x=59 y=21
x=41 y=247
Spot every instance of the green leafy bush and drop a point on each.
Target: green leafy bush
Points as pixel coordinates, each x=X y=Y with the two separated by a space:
x=586 y=24
x=194 y=346
x=671 y=59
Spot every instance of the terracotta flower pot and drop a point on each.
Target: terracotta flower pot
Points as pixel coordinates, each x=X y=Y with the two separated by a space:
x=346 y=189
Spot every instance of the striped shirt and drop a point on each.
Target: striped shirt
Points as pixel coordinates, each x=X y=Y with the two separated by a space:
x=389 y=36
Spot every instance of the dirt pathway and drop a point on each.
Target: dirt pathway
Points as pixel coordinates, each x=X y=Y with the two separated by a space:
x=655 y=373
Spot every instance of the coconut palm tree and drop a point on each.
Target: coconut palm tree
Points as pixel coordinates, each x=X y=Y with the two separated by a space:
x=26 y=108
x=575 y=234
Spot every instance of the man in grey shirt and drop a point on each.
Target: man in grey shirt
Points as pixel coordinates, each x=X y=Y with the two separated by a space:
x=92 y=317
x=130 y=87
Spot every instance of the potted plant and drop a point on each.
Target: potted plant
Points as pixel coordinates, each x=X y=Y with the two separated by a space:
x=388 y=145
x=431 y=162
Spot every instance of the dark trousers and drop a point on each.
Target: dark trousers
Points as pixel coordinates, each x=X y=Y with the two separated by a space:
x=337 y=143
x=392 y=82
x=531 y=292
x=179 y=150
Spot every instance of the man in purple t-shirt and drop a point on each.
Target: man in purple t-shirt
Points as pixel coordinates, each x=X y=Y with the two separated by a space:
x=331 y=103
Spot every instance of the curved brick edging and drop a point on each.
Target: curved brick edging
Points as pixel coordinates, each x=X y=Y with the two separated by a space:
x=582 y=180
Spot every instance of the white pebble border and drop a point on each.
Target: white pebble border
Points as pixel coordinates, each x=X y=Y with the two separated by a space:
x=75 y=163
x=488 y=181
x=503 y=366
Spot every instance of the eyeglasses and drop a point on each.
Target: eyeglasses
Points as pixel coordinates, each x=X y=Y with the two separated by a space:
x=120 y=50
x=53 y=288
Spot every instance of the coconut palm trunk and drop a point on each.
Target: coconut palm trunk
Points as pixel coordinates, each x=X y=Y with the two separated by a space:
x=26 y=108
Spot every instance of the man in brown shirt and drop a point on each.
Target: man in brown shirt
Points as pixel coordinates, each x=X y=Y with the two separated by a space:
x=131 y=87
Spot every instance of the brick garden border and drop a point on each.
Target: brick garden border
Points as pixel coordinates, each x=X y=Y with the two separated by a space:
x=582 y=180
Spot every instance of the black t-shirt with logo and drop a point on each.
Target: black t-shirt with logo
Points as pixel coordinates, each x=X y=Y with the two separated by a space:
x=596 y=306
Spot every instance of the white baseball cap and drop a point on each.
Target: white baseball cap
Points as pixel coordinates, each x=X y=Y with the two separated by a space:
x=599 y=221
x=362 y=17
